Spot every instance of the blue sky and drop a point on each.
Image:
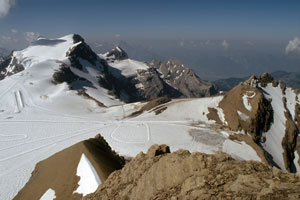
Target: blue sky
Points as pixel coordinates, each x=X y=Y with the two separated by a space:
x=203 y=34
x=156 y=18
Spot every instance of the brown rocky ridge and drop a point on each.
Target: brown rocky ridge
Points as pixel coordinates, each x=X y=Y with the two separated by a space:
x=257 y=119
x=184 y=175
x=58 y=172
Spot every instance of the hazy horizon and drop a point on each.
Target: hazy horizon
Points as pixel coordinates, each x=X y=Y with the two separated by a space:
x=217 y=39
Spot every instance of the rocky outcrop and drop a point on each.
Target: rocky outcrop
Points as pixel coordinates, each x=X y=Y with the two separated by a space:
x=292 y=131
x=245 y=108
x=150 y=85
x=9 y=67
x=116 y=54
x=290 y=79
x=183 y=79
x=159 y=79
x=158 y=105
x=58 y=172
x=185 y=175
x=82 y=51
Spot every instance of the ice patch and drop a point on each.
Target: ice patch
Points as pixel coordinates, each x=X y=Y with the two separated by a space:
x=224 y=133
x=240 y=150
x=139 y=86
x=128 y=67
x=221 y=115
x=89 y=179
x=243 y=116
x=296 y=161
x=48 y=195
x=118 y=49
x=291 y=101
x=246 y=103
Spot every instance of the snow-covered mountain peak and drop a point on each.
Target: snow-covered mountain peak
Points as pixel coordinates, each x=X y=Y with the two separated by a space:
x=40 y=51
x=70 y=49
x=65 y=61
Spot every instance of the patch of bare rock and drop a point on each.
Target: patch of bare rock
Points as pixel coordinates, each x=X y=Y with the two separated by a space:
x=253 y=119
x=160 y=174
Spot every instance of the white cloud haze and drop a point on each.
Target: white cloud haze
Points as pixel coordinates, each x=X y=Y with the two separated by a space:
x=14 y=31
x=5 y=6
x=31 y=36
x=225 y=44
x=293 y=45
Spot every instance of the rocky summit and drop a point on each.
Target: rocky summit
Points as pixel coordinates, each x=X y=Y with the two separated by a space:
x=160 y=174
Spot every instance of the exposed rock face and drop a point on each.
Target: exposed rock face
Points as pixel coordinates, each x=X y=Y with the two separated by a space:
x=185 y=175
x=145 y=85
x=82 y=51
x=150 y=85
x=248 y=107
x=266 y=78
x=3 y=66
x=64 y=74
x=156 y=79
x=183 y=79
x=117 y=54
x=6 y=71
x=292 y=131
x=58 y=172
x=156 y=104
x=253 y=119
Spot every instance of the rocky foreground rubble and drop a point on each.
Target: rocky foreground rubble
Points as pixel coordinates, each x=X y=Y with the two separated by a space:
x=160 y=174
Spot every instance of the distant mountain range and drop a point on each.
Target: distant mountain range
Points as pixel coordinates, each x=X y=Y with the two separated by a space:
x=208 y=58
x=127 y=79
x=290 y=79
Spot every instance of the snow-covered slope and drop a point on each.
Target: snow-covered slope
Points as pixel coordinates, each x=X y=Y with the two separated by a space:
x=276 y=133
x=49 y=62
x=57 y=101
x=44 y=49
x=129 y=67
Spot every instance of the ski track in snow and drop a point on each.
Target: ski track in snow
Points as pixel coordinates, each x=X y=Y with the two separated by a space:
x=50 y=142
x=38 y=130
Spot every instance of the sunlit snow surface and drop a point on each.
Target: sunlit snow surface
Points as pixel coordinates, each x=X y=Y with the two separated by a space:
x=246 y=102
x=39 y=118
x=49 y=195
x=44 y=49
x=53 y=118
x=274 y=136
x=89 y=179
x=47 y=118
x=128 y=67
